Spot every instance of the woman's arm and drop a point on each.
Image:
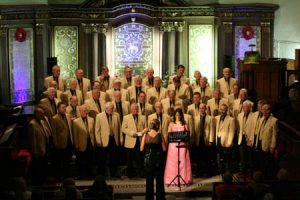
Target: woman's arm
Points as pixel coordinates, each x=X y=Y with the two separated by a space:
x=142 y=146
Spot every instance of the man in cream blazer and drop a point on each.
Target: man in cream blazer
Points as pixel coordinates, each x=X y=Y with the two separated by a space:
x=156 y=93
x=204 y=137
x=163 y=118
x=97 y=85
x=127 y=79
x=144 y=107
x=180 y=74
x=61 y=82
x=214 y=104
x=148 y=81
x=237 y=106
x=117 y=87
x=182 y=90
x=73 y=91
x=73 y=108
x=226 y=83
x=245 y=129
x=134 y=126
x=170 y=102
x=84 y=84
x=266 y=142
x=225 y=129
x=95 y=104
x=84 y=141
x=108 y=138
x=105 y=79
x=120 y=106
x=50 y=102
x=205 y=91
x=62 y=139
x=134 y=91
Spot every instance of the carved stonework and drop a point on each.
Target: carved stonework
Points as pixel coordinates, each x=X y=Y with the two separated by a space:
x=94 y=28
x=227 y=27
x=3 y=30
x=39 y=29
x=265 y=26
x=41 y=16
x=171 y=26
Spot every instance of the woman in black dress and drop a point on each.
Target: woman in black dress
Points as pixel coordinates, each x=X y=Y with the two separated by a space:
x=153 y=143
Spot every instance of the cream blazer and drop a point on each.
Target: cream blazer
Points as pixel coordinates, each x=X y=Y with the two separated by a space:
x=80 y=133
x=224 y=87
x=102 y=129
x=226 y=130
x=129 y=128
x=62 y=85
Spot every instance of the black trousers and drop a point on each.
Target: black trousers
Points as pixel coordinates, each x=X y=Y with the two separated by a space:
x=111 y=157
x=158 y=175
x=38 y=170
x=244 y=155
x=135 y=160
x=85 y=160
x=224 y=159
x=62 y=160
x=204 y=155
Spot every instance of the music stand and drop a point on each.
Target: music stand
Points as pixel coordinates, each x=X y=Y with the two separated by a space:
x=177 y=137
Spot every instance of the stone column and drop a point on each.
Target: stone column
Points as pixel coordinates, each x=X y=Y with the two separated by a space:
x=40 y=55
x=4 y=69
x=266 y=45
x=102 y=46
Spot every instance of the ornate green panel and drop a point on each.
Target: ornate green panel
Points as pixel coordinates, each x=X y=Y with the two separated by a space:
x=66 y=49
x=201 y=51
x=133 y=47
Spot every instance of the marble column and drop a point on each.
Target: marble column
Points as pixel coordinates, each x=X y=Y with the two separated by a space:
x=40 y=55
x=4 y=69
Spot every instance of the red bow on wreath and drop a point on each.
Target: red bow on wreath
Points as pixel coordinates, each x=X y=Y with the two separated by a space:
x=20 y=34
x=248 y=32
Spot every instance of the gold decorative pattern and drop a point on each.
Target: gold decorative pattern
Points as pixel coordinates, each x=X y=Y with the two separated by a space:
x=265 y=26
x=227 y=27
x=171 y=26
x=94 y=28
x=66 y=49
x=3 y=30
x=39 y=29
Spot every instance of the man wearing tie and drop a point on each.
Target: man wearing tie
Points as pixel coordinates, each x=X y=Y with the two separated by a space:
x=204 y=139
x=73 y=108
x=134 y=91
x=245 y=131
x=134 y=126
x=84 y=141
x=164 y=120
x=205 y=91
x=61 y=82
x=117 y=87
x=180 y=74
x=226 y=83
x=107 y=132
x=266 y=142
x=50 y=101
x=225 y=129
x=170 y=102
x=144 y=108
x=39 y=135
x=148 y=81
x=62 y=139
x=237 y=106
x=214 y=104
x=73 y=91
x=95 y=104
x=126 y=80
x=105 y=80
x=156 y=93
x=182 y=90
x=84 y=84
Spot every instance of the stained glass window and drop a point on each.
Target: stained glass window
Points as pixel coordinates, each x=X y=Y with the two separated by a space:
x=133 y=47
x=21 y=65
x=66 y=49
x=201 y=51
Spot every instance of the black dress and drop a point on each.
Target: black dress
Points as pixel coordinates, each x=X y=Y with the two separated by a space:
x=154 y=167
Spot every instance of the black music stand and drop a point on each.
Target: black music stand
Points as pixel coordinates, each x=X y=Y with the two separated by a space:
x=177 y=137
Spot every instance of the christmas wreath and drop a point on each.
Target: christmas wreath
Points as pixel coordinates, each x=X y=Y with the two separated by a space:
x=248 y=32
x=20 y=34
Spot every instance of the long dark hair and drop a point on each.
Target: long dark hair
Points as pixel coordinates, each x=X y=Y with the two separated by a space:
x=179 y=110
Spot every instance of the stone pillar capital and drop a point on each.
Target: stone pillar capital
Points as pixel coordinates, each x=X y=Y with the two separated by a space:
x=94 y=28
